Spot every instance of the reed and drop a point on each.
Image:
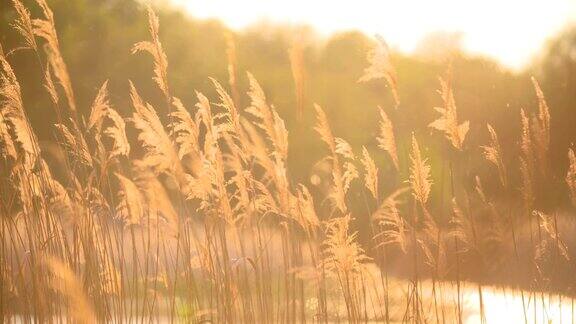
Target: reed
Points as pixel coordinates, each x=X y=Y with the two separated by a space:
x=197 y=218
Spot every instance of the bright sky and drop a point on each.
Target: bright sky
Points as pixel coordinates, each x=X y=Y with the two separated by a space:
x=512 y=31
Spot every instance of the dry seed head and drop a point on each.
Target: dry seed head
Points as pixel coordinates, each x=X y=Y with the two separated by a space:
x=571 y=176
x=527 y=161
x=50 y=87
x=550 y=241
x=380 y=66
x=341 y=174
x=342 y=254
x=526 y=139
x=527 y=185
x=131 y=207
x=350 y=172
x=117 y=133
x=7 y=148
x=46 y=29
x=543 y=110
x=23 y=25
x=344 y=149
x=386 y=139
x=231 y=117
x=459 y=226
x=306 y=209
x=541 y=129
x=493 y=154
x=159 y=152
x=154 y=48
x=420 y=178
x=184 y=130
x=100 y=105
x=14 y=118
x=75 y=143
x=371 y=173
x=448 y=121
x=393 y=226
x=269 y=120
x=323 y=128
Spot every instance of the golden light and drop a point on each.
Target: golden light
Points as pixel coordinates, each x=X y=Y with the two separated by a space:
x=511 y=31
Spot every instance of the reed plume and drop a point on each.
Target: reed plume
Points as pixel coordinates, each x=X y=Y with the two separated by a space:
x=46 y=29
x=350 y=172
x=159 y=153
x=419 y=179
x=541 y=129
x=229 y=119
x=75 y=144
x=193 y=215
x=526 y=162
x=380 y=66
x=448 y=121
x=343 y=173
x=370 y=173
x=51 y=88
x=102 y=111
x=117 y=133
x=154 y=48
x=269 y=120
x=131 y=207
x=99 y=108
x=393 y=226
x=343 y=254
x=459 y=228
x=571 y=176
x=23 y=25
x=14 y=117
x=184 y=130
x=386 y=139
x=493 y=154
x=8 y=149
x=550 y=242
x=307 y=212
x=324 y=130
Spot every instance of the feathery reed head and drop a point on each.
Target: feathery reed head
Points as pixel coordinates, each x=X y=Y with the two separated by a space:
x=23 y=25
x=419 y=179
x=448 y=121
x=493 y=154
x=386 y=139
x=571 y=176
x=381 y=67
x=154 y=48
x=370 y=173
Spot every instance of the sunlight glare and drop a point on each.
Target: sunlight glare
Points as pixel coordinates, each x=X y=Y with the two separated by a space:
x=511 y=31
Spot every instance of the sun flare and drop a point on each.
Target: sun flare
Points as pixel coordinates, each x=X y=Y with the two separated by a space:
x=511 y=31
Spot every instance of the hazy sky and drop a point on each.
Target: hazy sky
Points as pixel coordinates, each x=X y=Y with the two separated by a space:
x=512 y=31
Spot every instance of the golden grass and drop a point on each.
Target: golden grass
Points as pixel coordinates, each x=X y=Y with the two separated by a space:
x=198 y=219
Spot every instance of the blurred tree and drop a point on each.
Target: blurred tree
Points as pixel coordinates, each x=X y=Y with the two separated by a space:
x=556 y=70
